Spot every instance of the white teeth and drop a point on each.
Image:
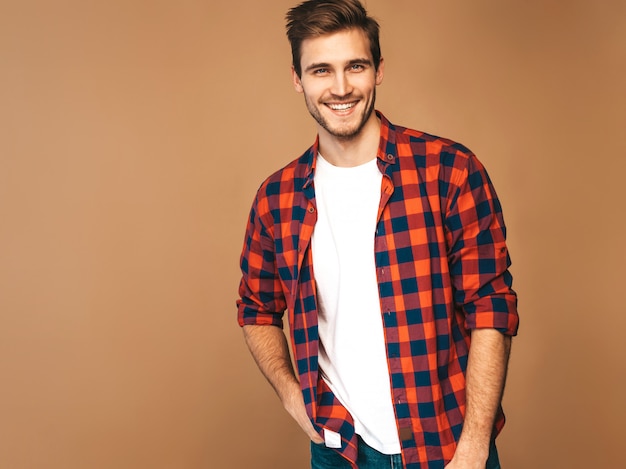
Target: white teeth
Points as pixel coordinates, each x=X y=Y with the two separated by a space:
x=341 y=107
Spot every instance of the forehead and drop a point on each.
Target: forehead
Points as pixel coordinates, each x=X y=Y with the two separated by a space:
x=339 y=47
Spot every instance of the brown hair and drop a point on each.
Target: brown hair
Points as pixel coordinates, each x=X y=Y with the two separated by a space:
x=313 y=18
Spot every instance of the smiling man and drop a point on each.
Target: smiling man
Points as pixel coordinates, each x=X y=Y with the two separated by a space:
x=340 y=95
x=386 y=248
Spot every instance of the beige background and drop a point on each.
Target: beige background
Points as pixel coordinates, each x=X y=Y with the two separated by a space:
x=133 y=135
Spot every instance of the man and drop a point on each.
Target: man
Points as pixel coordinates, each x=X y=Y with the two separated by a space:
x=386 y=246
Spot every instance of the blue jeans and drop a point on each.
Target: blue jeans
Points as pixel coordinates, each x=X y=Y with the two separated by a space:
x=326 y=458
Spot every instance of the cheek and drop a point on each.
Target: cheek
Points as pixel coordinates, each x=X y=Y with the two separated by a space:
x=366 y=84
x=370 y=84
x=313 y=92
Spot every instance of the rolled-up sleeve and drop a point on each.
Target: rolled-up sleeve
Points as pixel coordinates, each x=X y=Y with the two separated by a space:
x=477 y=252
x=261 y=299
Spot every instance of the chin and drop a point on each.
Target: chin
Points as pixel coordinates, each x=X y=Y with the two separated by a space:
x=346 y=134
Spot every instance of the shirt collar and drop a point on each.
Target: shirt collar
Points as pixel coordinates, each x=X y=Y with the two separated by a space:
x=387 y=144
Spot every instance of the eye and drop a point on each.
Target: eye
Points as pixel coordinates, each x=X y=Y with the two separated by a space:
x=357 y=67
x=320 y=71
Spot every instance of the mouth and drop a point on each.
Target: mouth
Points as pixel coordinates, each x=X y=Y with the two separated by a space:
x=341 y=106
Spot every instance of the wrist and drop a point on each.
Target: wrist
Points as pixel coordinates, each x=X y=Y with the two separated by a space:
x=472 y=453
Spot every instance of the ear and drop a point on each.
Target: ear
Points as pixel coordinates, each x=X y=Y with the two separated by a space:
x=380 y=73
x=297 y=83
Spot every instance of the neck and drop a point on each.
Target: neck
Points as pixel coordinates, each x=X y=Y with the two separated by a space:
x=354 y=151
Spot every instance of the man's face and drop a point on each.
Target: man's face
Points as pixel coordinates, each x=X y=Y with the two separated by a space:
x=339 y=81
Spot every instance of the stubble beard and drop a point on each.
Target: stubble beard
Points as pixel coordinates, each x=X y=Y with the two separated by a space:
x=341 y=133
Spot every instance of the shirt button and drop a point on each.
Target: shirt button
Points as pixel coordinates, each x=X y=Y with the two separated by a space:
x=311 y=209
x=389 y=156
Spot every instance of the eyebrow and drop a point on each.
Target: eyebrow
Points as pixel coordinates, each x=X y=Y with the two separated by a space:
x=359 y=61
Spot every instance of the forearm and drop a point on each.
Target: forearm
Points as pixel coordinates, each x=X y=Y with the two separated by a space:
x=486 y=375
x=268 y=346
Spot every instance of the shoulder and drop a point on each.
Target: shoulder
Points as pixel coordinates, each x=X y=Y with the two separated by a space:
x=442 y=158
x=279 y=190
x=422 y=143
x=404 y=142
x=286 y=178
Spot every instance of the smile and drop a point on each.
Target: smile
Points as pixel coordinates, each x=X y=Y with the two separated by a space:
x=341 y=107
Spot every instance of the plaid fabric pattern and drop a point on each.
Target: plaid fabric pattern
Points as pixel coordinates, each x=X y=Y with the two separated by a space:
x=442 y=267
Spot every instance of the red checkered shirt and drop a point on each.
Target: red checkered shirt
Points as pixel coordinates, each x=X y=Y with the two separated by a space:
x=442 y=269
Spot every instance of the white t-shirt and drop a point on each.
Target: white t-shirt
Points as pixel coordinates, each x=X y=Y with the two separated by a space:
x=352 y=354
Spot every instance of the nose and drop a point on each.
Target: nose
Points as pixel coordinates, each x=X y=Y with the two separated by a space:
x=341 y=85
